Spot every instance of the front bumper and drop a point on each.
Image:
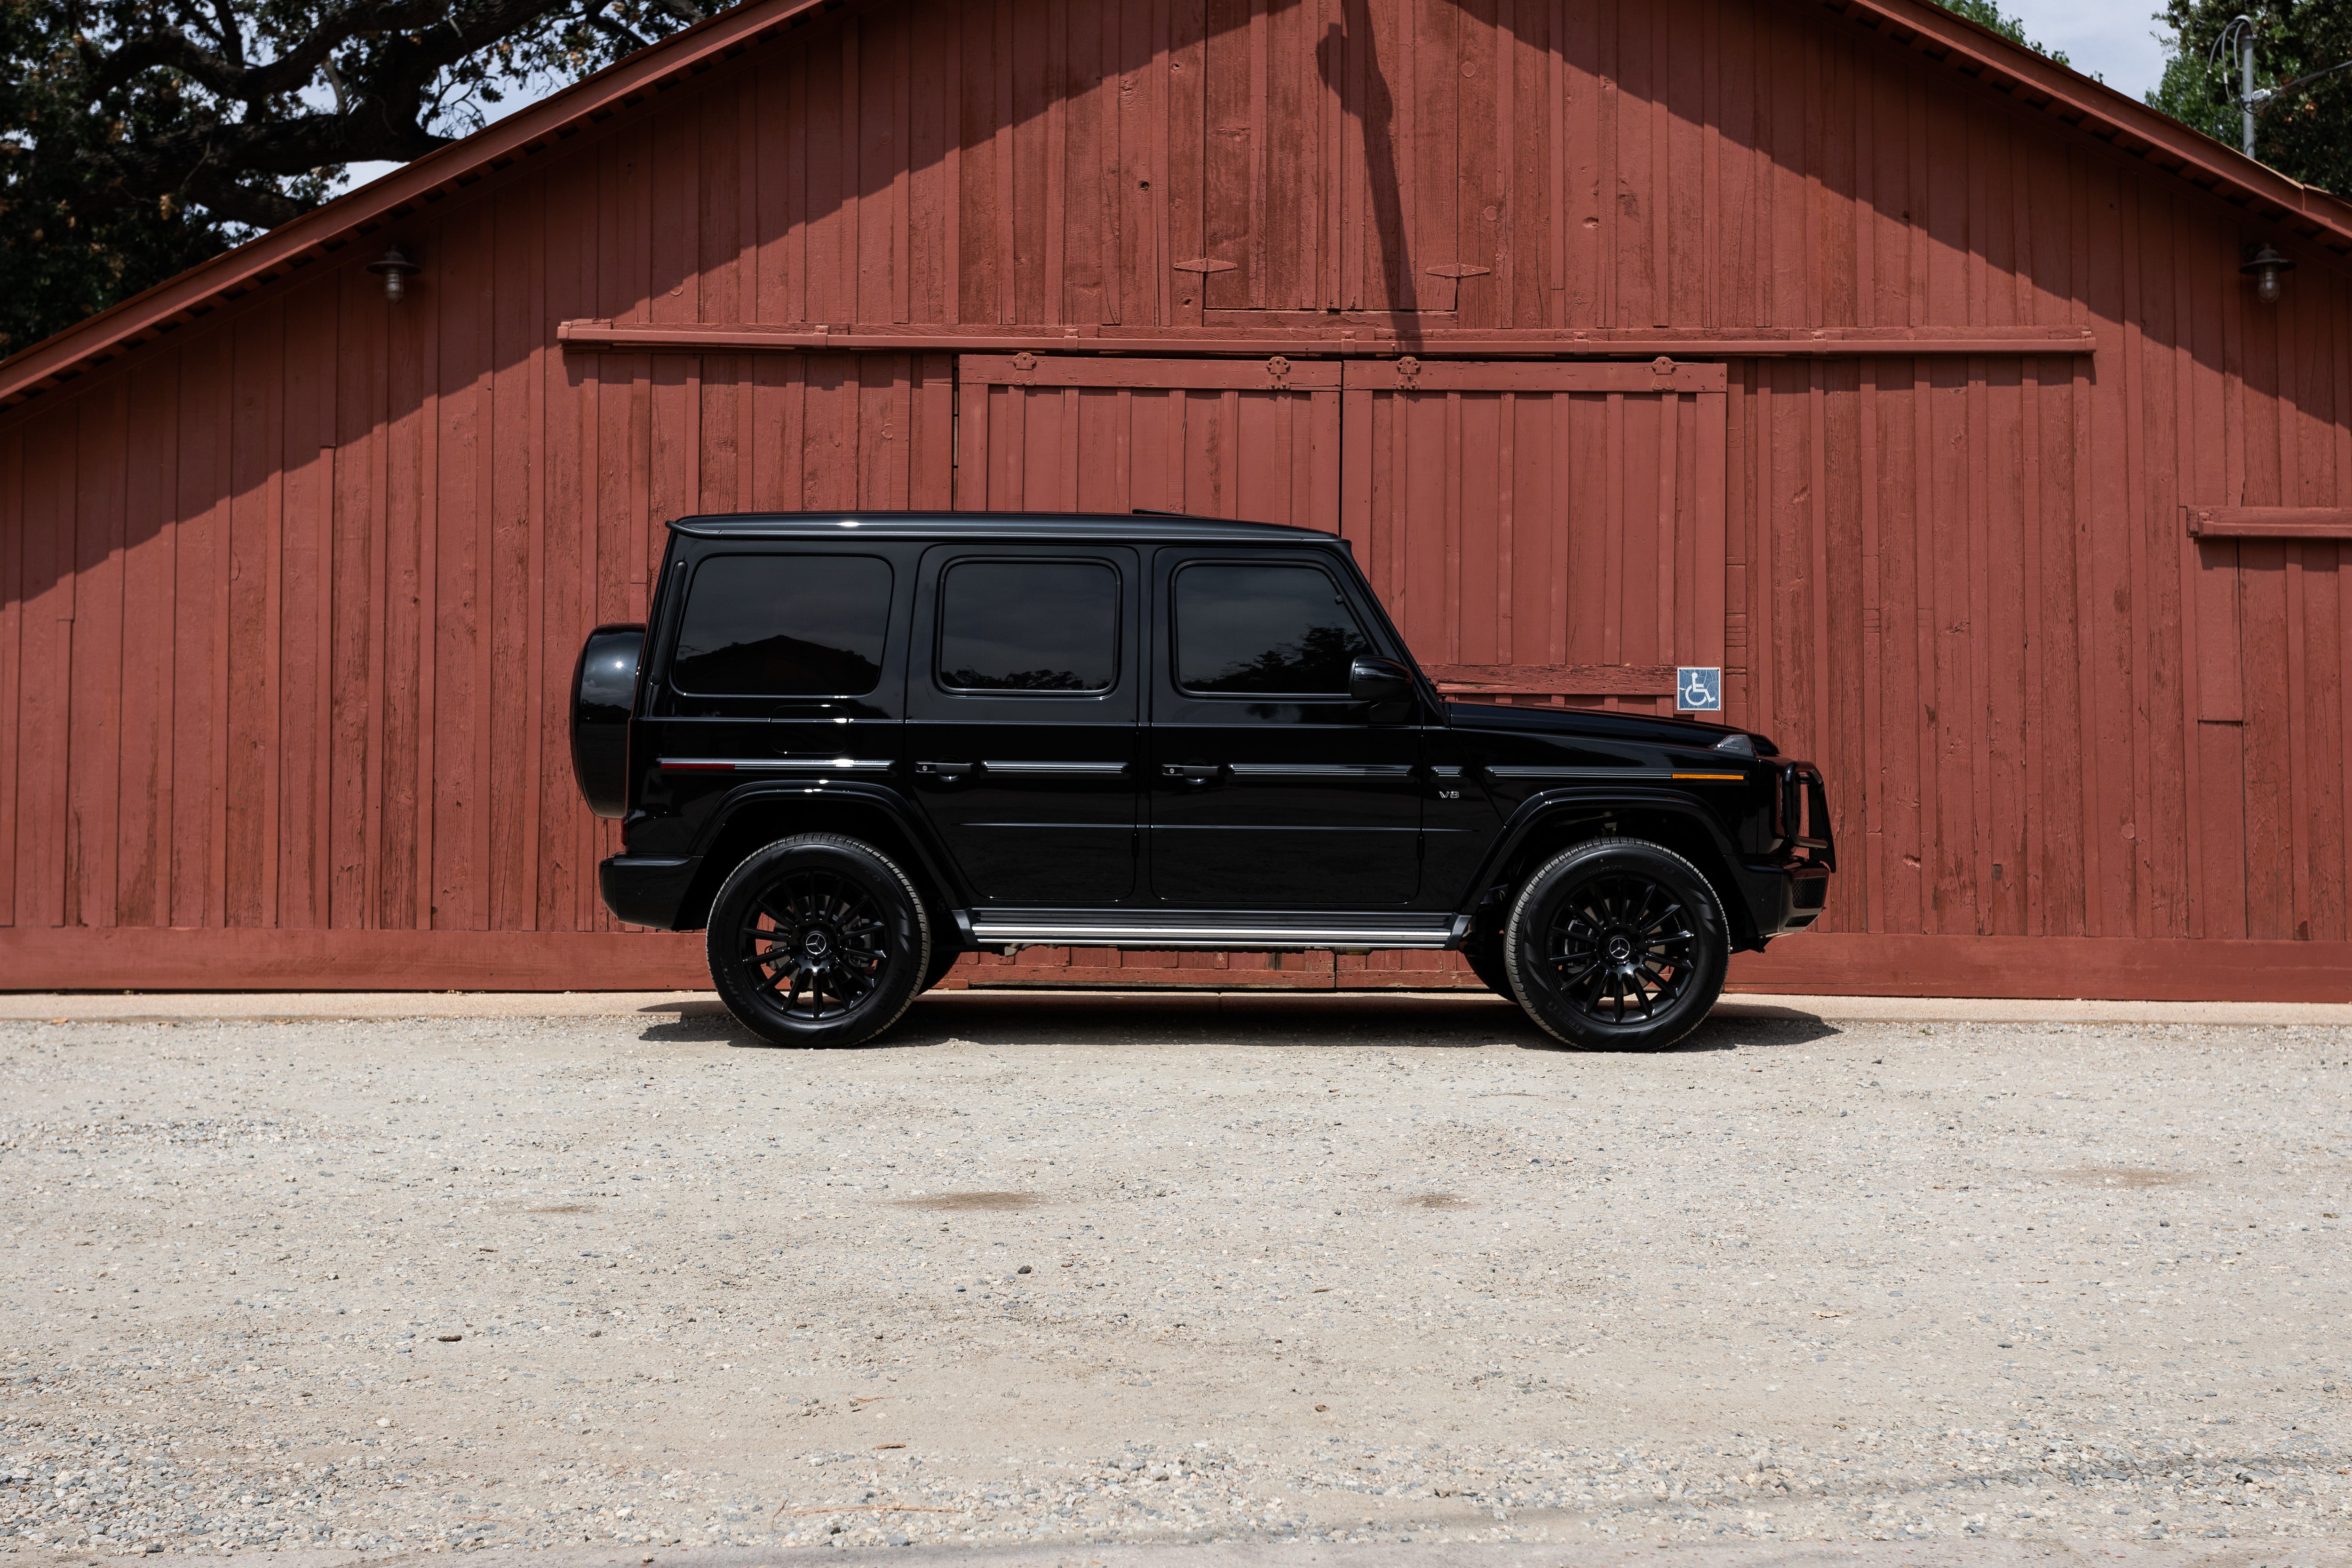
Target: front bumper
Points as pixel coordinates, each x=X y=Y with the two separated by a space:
x=1789 y=891
x=1784 y=895
x=648 y=889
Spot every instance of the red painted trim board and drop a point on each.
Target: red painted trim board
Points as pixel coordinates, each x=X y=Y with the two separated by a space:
x=210 y=959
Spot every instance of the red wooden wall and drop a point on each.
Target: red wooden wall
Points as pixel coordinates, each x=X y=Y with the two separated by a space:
x=289 y=599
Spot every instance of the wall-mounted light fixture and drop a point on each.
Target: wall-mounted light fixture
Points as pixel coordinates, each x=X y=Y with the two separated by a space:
x=2263 y=268
x=395 y=267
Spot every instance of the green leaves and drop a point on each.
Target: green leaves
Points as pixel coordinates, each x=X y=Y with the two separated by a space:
x=2305 y=132
x=138 y=137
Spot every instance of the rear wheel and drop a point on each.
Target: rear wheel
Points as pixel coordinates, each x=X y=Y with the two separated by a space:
x=1617 y=945
x=818 y=941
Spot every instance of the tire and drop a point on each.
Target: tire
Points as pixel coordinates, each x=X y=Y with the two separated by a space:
x=1483 y=951
x=859 y=941
x=943 y=959
x=1617 y=945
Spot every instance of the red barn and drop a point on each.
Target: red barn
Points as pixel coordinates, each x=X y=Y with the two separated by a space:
x=1913 y=379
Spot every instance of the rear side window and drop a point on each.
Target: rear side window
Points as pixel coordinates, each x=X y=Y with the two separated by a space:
x=1029 y=625
x=1264 y=631
x=784 y=626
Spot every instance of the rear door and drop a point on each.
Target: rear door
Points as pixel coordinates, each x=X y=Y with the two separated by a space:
x=1022 y=702
x=784 y=663
x=1270 y=787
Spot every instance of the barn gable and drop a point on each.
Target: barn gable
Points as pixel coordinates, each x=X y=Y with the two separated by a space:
x=289 y=593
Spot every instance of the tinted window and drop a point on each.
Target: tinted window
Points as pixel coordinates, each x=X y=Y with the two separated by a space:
x=1029 y=625
x=784 y=626
x=1263 y=629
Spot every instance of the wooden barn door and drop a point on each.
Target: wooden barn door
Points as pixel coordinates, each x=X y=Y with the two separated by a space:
x=1543 y=529
x=2270 y=721
x=1258 y=439
x=1538 y=530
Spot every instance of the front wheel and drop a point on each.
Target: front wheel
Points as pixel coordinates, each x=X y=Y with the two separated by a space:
x=1617 y=945
x=943 y=958
x=818 y=941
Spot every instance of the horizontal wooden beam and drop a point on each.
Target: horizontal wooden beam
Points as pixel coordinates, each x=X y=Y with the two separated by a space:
x=1553 y=680
x=209 y=958
x=629 y=337
x=1810 y=963
x=2174 y=969
x=2270 y=521
x=2146 y=969
x=1412 y=375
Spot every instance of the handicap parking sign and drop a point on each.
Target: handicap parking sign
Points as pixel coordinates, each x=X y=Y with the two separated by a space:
x=1698 y=688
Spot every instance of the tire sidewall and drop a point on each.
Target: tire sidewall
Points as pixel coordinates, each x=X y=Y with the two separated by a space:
x=1536 y=987
x=907 y=928
x=1483 y=954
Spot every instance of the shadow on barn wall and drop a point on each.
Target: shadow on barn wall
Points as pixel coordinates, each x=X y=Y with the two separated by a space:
x=253 y=560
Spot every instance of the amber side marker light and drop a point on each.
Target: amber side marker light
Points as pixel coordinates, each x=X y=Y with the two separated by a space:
x=1726 y=778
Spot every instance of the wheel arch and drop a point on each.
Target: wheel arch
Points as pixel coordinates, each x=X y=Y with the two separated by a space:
x=759 y=817
x=1550 y=823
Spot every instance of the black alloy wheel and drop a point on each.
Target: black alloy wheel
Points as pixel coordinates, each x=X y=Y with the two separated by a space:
x=1617 y=945
x=818 y=941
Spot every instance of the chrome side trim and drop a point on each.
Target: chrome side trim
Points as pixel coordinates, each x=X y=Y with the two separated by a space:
x=1242 y=934
x=1045 y=770
x=777 y=765
x=1618 y=775
x=1321 y=770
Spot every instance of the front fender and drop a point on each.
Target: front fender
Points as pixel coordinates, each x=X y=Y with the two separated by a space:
x=1587 y=802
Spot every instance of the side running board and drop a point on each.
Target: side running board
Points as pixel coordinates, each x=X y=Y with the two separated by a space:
x=1232 y=929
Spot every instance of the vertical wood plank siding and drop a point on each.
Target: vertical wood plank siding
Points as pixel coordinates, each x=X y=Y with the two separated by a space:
x=290 y=598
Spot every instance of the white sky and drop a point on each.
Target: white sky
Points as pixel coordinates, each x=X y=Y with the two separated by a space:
x=2114 y=40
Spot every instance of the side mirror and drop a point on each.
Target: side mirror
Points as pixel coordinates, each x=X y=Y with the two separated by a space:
x=1378 y=680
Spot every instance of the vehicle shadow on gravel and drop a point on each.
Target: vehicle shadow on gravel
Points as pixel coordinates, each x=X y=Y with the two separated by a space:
x=1293 y=1020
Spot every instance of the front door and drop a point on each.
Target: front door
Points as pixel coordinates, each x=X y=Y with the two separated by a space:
x=1021 y=714
x=1269 y=787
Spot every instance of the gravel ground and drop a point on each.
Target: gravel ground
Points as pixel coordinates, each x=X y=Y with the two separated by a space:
x=1053 y=1271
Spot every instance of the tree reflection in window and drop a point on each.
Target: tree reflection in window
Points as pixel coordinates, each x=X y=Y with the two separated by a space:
x=1042 y=626
x=784 y=626
x=1264 y=631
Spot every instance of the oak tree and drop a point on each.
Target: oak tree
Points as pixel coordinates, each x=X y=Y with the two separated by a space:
x=138 y=137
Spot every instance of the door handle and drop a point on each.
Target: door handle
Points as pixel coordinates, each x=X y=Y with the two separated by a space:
x=1192 y=773
x=944 y=770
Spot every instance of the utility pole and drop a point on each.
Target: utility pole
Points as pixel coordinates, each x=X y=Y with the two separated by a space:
x=2253 y=101
x=2246 y=84
x=2241 y=32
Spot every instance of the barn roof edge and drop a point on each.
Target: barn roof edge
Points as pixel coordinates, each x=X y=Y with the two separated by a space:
x=1977 y=51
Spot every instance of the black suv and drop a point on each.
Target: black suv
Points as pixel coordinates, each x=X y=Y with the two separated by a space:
x=852 y=747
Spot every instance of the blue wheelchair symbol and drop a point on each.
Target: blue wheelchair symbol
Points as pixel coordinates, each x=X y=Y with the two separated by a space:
x=1698 y=688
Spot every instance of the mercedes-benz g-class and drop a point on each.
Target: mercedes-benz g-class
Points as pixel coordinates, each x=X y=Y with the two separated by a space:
x=851 y=747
